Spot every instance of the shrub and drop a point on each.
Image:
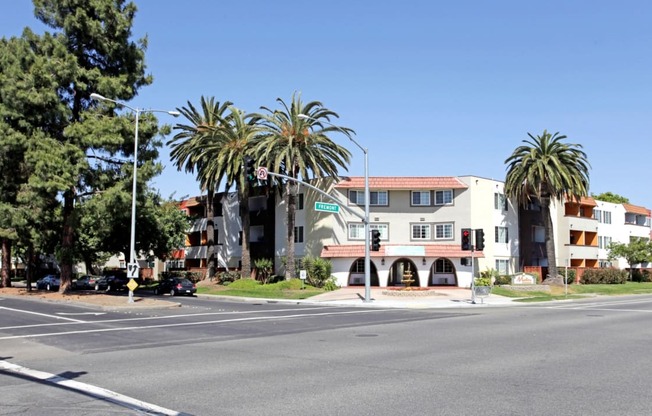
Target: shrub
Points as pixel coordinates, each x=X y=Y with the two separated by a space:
x=503 y=280
x=263 y=270
x=572 y=273
x=228 y=277
x=318 y=271
x=643 y=275
x=486 y=277
x=604 y=276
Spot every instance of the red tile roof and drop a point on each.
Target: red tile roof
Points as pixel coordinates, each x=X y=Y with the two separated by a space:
x=403 y=182
x=585 y=200
x=431 y=250
x=634 y=209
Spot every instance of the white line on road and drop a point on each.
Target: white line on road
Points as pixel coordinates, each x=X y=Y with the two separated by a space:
x=223 y=321
x=42 y=314
x=147 y=318
x=99 y=392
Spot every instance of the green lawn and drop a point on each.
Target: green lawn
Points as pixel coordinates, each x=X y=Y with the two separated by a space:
x=575 y=291
x=292 y=289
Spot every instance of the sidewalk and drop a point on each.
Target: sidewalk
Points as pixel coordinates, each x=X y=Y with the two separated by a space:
x=383 y=298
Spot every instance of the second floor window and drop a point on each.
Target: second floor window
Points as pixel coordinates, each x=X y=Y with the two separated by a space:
x=421 y=198
x=299 y=202
x=375 y=198
x=421 y=231
x=444 y=197
x=443 y=231
x=298 y=234
x=500 y=202
x=501 y=235
x=356 y=231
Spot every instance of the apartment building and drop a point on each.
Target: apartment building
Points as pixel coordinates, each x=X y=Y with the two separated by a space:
x=420 y=221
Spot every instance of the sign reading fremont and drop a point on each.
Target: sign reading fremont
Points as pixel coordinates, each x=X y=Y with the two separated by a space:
x=326 y=207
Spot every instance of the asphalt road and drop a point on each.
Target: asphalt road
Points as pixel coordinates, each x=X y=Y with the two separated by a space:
x=212 y=357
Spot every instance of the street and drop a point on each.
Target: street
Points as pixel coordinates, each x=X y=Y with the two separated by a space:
x=213 y=357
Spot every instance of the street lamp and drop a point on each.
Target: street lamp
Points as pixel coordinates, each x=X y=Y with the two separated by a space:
x=367 y=257
x=137 y=111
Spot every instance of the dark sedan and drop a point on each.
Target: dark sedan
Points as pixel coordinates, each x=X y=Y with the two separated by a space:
x=84 y=283
x=111 y=283
x=49 y=282
x=175 y=286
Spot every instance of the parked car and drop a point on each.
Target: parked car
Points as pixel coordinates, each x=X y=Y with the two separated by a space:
x=49 y=282
x=84 y=283
x=175 y=286
x=111 y=283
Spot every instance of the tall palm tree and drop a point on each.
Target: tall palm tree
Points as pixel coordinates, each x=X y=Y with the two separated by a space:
x=297 y=147
x=226 y=157
x=187 y=154
x=547 y=169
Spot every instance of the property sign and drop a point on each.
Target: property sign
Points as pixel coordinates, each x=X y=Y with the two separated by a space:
x=326 y=207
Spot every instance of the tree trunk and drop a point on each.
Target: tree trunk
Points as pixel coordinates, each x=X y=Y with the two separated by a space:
x=6 y=263
x=30 y=267
x=210 y=235
x=67 y=242
x=291 y=208
x=550 y=241
x=243 y=203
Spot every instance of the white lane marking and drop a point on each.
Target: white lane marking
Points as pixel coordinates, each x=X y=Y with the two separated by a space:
x=146 y=318
x=42 y=314
x=223 y=321
x=81 y=313
x=591 y=305
x=99 y=392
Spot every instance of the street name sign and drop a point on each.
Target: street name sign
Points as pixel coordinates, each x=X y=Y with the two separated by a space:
x=326 y=207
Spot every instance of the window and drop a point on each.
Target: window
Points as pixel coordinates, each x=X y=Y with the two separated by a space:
x=421 y=198
x=299 y=202
x=604 y=242
x=421 y=231
x=356 y=231
x=501 y=235
x=298 y=234
x=606 y=217
x=500 y=201
x=443 y=231
x=358 y=266
x=443 y=266
x=375 y=198
x=502 y=266
x=538 y=234
x=444 y=197
x=597 y=214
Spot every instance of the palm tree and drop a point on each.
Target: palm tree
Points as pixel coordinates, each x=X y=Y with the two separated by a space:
x=226 y=157
x=187 y=154
x=547 y=170
x=297 y=147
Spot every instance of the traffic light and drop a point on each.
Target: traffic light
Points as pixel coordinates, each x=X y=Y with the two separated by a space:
x=250 y=170
x=466 y=239
x=479 y=239
x=375 y=240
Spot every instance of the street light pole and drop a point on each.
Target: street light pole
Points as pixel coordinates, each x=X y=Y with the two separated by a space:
x=137 y=111
x=367 y=254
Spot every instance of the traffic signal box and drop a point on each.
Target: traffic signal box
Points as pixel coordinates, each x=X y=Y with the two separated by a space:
x=479 y=239
x=250 y=170
x=466 y=239
x=375 y=240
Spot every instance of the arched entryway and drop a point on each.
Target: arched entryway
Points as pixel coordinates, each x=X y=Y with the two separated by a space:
x=399 y=272
x=356 y=273
x=442 y=273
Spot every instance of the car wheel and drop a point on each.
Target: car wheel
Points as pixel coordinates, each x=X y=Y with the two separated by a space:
x=172 y=292
x=48 y=288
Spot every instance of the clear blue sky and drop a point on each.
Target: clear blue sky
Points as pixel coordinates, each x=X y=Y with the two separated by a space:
x=431 y=88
